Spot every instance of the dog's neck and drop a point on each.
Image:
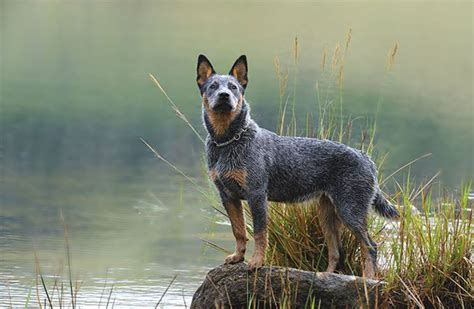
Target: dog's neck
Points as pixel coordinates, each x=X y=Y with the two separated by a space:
x=240 y=122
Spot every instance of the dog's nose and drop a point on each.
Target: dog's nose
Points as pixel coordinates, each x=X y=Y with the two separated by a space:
x=223 y=95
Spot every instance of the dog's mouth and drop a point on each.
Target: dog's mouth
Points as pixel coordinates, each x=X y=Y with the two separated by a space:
x=222 y=106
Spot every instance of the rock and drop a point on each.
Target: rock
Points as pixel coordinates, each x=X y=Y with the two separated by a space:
x=234 y=286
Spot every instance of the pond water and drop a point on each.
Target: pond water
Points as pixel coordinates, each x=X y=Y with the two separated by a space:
x=121 y=230
x=76 y=97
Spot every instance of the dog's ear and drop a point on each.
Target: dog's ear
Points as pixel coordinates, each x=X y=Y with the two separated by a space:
x=239 y=70
x=204 y=70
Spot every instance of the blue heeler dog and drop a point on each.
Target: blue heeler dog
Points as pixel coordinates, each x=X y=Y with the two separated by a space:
x=249 y=163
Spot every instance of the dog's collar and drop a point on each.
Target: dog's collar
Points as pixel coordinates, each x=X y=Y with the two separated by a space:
x=233 y=139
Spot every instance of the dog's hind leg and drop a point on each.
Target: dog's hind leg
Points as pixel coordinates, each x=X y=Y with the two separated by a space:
x=354 y=217
x=237 y=220
x=369 y=254
x=330 y=225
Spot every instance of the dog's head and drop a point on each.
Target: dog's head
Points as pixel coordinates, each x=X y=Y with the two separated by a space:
x=222 y=94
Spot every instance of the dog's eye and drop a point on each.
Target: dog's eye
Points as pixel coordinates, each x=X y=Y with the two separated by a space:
x=233 y=87
x=213 y=86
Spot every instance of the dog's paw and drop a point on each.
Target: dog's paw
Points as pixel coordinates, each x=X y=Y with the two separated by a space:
x=234 y=258
x=255 y=262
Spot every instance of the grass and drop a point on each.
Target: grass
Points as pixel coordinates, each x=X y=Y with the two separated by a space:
x=425 y=258
x=64 y=292
x=430 y=260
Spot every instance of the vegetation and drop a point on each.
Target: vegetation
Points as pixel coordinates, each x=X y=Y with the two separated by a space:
x=425 y=258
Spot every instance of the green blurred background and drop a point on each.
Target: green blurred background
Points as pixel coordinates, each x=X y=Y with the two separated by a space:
x=76 y=97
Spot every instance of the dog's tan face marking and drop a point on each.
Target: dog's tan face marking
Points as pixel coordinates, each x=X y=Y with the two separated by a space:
x=220 y=121
x=238 y=175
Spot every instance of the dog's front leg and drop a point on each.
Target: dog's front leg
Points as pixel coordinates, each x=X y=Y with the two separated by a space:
x=258 y=207
x=237 y=220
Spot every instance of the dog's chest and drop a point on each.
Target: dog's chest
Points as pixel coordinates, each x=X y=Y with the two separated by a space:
x=228 y=170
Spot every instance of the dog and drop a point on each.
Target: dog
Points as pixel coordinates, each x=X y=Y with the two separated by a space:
x=247 y=162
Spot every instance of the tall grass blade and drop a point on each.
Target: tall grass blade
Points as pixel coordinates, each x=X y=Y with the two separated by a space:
x=176 y=109
x=405 y=166
x=110 y=295
x=166 y=291
x=68 y=258
x=172 y=165
x=28 y=297
x=45 y=289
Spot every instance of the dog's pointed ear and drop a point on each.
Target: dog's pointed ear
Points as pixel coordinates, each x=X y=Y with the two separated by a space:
x=239 y=70
x=204 y=70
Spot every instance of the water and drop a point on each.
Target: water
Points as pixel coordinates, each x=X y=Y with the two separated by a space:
x=120 y=227
x=76 y=97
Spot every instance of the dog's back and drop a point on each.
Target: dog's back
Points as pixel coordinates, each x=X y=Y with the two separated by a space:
x=303 y=168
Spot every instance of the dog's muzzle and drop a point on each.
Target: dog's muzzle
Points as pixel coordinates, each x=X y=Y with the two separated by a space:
x=223 y=103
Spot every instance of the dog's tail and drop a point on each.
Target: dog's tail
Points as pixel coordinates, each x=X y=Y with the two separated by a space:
x=384 y=207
